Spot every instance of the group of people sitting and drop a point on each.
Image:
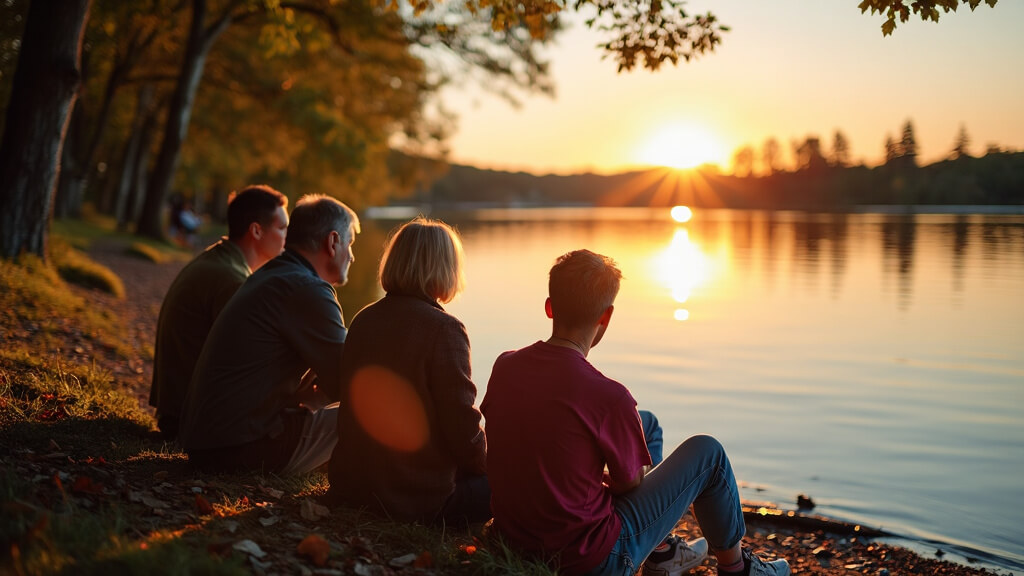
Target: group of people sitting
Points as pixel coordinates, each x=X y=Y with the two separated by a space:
x=256 y=370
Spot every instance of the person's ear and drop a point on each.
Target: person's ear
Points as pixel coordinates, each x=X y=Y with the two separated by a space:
x=606 y=316
x=332 y=240
x=256 y=230
x=547 y=308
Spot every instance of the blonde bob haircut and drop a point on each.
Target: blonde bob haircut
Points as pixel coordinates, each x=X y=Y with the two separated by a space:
x=423 y=257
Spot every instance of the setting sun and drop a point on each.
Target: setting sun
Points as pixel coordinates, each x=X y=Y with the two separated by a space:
x=682 y=147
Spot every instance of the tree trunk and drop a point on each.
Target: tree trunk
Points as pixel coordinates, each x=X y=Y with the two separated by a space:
x=42 y=96
x=141 y=163
x=83 y=147
x=200 y=40
x=131 y=154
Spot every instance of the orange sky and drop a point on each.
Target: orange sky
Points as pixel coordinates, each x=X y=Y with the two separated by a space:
x=788 y=69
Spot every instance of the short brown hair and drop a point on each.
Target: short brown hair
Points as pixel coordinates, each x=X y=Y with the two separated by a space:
x=252 y=204
x=582 y=285
x=423 y=257
x=314 y=217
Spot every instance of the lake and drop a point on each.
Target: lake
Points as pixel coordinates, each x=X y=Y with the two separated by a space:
x=874 y=362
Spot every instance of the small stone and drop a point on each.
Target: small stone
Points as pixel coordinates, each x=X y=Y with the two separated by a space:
x=249 y=547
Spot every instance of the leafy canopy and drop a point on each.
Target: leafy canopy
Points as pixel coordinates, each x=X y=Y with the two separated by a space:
x=926 y=9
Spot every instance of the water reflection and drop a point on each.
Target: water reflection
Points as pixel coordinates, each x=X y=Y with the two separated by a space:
x=682 y=267
x=838 y=328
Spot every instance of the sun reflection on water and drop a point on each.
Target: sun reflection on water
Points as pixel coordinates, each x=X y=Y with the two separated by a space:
x=682 y=267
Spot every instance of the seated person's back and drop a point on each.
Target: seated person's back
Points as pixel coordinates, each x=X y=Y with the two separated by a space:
x=410 y=442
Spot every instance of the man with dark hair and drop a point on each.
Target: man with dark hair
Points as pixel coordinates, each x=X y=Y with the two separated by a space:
x=257 y=223
x=569 y=457
x=257 y=400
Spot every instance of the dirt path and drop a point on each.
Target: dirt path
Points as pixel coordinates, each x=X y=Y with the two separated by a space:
x=145 y=285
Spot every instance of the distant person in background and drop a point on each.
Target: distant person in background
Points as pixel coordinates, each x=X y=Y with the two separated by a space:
x=569 y=456
x=411 y=446
x=257 y=223
x=260 y=395
x=184 y=222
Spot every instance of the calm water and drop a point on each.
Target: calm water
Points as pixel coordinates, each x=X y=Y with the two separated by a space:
x=873 y=362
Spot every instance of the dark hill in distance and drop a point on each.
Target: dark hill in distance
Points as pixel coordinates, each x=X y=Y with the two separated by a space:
x=996 y=178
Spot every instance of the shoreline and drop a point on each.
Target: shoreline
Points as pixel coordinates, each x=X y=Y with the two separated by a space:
x=768 y=514
x=813 y=544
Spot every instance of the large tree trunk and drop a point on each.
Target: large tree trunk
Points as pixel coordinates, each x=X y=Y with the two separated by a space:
x=200 y=40
x=42 y=97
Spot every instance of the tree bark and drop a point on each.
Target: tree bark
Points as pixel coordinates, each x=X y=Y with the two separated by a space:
x=43 y=94
x=179 y=113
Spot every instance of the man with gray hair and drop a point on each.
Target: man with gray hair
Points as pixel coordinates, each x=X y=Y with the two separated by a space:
x=276 y=345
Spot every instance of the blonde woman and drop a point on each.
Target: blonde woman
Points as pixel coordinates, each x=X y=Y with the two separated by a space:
x=411 y=445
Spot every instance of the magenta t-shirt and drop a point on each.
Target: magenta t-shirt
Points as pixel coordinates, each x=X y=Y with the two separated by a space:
x=553 y=423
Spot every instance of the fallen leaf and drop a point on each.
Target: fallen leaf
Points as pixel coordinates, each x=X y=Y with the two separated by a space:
x=424 y=560
x=316 y=548
x=469 y=549
x=249 y=547
x=203 y=505
x=310 y=510
x=85 y=485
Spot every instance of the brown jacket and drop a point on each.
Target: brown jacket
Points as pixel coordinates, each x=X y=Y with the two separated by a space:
x=407 y=425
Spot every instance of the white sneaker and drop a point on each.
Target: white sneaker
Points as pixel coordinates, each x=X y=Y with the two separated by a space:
x=759 y=567
x=685 y=557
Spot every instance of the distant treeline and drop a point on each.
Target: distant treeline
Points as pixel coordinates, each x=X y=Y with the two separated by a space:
x=996 y=178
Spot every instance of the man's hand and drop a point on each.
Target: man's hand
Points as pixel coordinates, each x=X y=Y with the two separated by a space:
x=625 y=487
x=308 y=394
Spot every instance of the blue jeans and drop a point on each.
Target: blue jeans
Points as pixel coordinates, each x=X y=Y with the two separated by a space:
x=697 y=472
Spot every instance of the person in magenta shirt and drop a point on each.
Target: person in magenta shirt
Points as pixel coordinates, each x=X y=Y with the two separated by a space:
x=575 y=470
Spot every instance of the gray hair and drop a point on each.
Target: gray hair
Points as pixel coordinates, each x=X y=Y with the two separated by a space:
x=314 y=217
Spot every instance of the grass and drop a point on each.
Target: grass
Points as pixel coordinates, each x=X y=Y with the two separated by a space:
x=75 y=267
x=86 y=489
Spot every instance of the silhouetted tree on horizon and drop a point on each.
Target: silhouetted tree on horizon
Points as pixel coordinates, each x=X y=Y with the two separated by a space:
x=770 y=156
x=840 y=150
x=961 y=144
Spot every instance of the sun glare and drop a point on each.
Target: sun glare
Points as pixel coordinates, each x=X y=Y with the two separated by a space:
x=681 y=147
x=682 y=267
x=681 y=214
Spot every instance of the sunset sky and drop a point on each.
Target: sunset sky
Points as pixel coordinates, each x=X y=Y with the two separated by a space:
x=788 y=69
